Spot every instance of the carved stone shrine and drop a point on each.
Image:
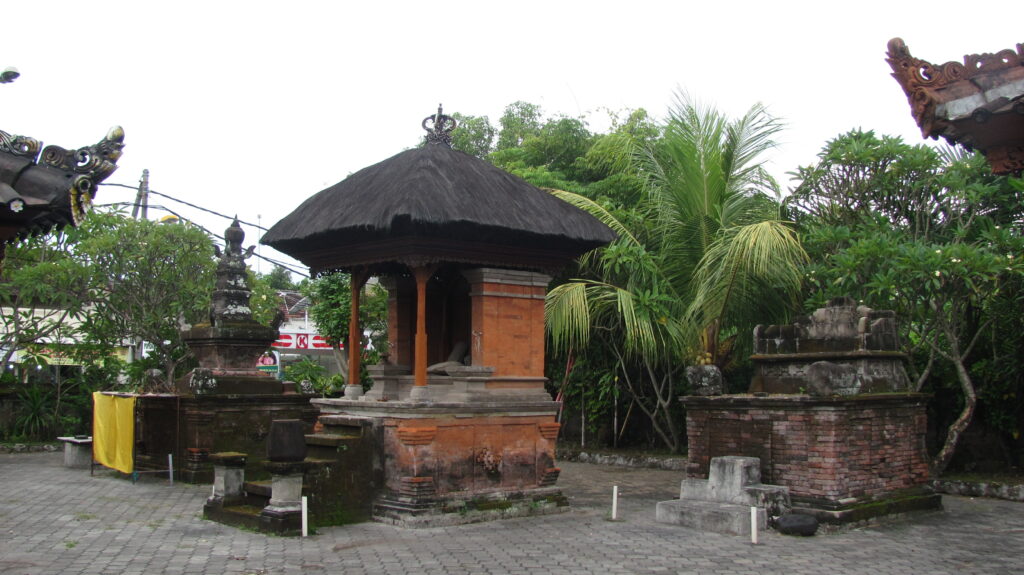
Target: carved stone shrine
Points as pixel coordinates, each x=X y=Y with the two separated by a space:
x=830 y=415
x=457 y=422
x=226 y=405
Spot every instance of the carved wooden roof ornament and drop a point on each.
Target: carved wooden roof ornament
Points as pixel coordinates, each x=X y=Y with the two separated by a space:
x=978 y=104
x=440 y=129
x=40 y=191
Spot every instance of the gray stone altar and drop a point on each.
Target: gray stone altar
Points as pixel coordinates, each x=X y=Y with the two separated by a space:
x=722 y=502
x=829 y=413
x=842 y=349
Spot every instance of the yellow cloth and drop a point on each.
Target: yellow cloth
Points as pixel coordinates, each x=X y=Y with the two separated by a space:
x=113 y=431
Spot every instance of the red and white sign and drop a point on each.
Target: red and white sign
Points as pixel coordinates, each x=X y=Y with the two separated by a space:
x=301 y=340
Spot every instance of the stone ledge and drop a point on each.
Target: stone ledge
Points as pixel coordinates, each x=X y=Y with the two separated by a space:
x=867 y=510
x=995 y=490
x=786 y=400
x=26 y=448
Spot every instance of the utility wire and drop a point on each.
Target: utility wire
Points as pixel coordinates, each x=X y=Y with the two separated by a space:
x=208 y=232
x=191 y=205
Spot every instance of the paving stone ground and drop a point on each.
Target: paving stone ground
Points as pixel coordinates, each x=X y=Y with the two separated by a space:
x=58 y=520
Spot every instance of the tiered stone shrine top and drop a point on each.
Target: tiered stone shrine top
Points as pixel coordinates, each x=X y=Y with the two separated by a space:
x=840 y=349
x=228 y=346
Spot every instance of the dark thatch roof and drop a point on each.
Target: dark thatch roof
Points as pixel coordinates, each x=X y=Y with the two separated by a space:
x=429 y=195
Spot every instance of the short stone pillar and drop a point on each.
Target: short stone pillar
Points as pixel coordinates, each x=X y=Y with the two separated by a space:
x=77 y=451
x=722 y=503
x=284 y=512
x=228 y=479
x=286 y=452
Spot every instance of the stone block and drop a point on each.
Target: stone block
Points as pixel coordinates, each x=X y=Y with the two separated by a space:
x=77 y=451
x=722 y=502
x=717 y=517
x=287 y=440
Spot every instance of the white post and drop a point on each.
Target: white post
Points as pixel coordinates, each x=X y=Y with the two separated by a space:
x=170 y=468
x=305 y=517
x=615 y=502
x=753 y=525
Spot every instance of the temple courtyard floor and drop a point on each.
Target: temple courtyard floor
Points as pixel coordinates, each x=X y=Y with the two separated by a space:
x=59 y=520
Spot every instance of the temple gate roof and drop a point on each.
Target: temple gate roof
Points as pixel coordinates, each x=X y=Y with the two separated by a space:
x=978 y=104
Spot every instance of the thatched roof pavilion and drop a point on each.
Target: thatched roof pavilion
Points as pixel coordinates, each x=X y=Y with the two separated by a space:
x=435 y=204
x=440 y=216
x=462 y=248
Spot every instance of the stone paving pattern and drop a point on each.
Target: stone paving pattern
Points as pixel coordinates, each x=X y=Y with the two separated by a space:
x=59 y=520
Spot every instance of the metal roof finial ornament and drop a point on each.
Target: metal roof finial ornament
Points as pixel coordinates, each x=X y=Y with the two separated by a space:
x=440 y=129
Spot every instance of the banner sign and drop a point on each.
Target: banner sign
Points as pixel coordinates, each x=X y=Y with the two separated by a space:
x=301 y=340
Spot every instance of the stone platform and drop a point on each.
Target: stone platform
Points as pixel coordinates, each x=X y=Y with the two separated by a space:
x=722 y=503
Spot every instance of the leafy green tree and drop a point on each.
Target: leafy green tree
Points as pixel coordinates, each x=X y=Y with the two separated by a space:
x=519 y=121
x=715 y=209
x=330 y=309
x=693 y=259
x=146 y=281
x=279 y=279
x=43 y=291
x=473 y=135
x=933 y=236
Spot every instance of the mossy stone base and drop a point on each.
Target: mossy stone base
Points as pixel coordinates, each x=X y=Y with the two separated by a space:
x=844 y=513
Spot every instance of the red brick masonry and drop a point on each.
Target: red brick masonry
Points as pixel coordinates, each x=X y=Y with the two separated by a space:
x=827 y=449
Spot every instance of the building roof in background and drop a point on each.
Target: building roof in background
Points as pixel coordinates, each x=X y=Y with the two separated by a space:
x=978 y=104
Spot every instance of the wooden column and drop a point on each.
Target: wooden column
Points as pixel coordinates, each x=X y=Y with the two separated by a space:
x=358 y=280
x=422 y=275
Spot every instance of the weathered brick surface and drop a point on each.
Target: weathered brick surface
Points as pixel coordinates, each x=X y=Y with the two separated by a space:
x=821 y=448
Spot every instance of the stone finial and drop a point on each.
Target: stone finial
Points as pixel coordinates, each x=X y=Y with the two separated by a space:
x=231 y=295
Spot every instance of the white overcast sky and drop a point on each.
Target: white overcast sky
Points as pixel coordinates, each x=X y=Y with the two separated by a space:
x=251 y=107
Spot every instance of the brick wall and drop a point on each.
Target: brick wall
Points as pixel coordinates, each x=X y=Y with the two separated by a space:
x=821 y=448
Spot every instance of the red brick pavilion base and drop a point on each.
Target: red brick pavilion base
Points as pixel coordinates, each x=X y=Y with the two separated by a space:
x=444 y=463
x=843 y=458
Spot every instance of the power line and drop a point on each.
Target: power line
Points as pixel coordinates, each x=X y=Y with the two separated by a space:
x=208 y=232
x=191 y=205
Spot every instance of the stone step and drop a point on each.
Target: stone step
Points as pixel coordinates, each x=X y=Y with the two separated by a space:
x=709 y=516
x=260 y=488
x=331 y=439
x=247 y=516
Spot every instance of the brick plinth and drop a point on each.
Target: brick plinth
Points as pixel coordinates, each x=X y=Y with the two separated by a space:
x=832 y=453
x=440 y=461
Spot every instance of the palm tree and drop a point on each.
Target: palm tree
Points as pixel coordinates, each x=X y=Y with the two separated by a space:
x=705 y=253
x=716 y=213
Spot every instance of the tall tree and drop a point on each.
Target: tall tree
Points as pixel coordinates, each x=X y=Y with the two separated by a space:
x=473 y=135
x=42 y=292
x=933 y=235
x=146 y=282
x=330 y=309
x=717 y=218
x=695 y=256
x=519 y=121
x=279 y=279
